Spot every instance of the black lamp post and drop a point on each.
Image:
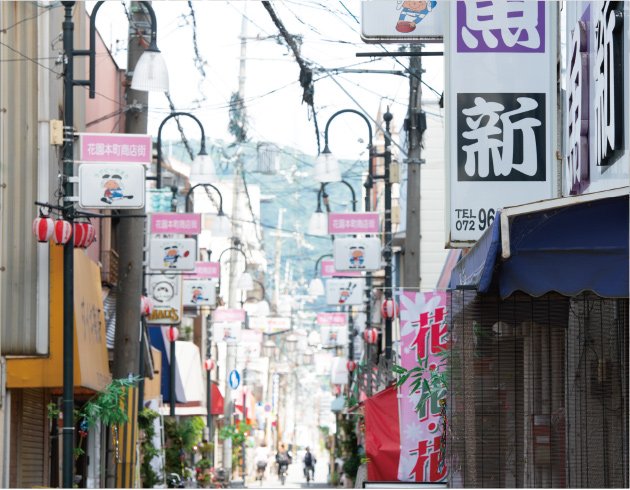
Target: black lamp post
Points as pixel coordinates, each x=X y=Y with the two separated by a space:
x=68 y=199
x=202 y=156
x=172 y=338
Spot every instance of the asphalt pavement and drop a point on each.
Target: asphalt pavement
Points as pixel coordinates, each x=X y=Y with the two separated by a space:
x=295 y=477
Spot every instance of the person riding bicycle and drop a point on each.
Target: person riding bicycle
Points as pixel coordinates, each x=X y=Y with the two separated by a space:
x=309 y=464
x=261 y=456
x=283 y=458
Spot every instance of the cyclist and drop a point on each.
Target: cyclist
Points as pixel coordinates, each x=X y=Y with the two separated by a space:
x=309 y=465
x=283 y=458
x=261 y=457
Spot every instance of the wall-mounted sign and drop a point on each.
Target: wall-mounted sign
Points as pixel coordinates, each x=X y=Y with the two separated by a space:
x=199 y=292
x=353 y=223
x=115 y=148
x=172 y=254
x=112 y=185
x=357 y=254
x=328 y=270
x=228 y=315
x=501 y=85
x=398 y=21
x=334 y=336
x=205 y=270
x=176 y=223
x=332 y=319
x=224 y=331
x=342 y=292
x=166 y=293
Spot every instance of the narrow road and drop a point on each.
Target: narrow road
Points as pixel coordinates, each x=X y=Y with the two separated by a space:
x=295 y=477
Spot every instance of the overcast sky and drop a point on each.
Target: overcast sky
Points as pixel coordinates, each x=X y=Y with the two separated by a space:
x=330 y=38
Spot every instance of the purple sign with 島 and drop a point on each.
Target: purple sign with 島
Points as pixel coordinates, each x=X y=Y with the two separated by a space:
x=176 y=223
x=500 y=26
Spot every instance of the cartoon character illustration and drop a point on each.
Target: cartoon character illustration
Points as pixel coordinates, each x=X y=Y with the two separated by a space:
x=412 y=13
x=357 y=257
x=112 y=188
x=171 y=256
x=345 y=293
x=197 y=295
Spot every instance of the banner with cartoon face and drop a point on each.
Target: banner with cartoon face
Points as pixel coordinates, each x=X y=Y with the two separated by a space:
x=200 y=292
x=341 y=292
x=111 y=185
x=357 y=254
x=172 y=254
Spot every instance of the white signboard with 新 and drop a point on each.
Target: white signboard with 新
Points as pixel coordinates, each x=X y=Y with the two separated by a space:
x=342 y=292
x=200 y=292
x=357 y=254
x=112 y=185
x=501 y=104
x=172 y=254
x=398 y=21
x=166 y=293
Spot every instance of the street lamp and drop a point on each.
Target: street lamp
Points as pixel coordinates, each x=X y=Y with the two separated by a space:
x=202 y=169
x=318 y=222
x=245 y=281
x=316 y=286
x=221 y=226
x=151 y=75
x=172 y=335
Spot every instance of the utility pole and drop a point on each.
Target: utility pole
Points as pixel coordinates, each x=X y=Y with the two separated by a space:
x=127 y=341
x=415 y=125
x=387 y=249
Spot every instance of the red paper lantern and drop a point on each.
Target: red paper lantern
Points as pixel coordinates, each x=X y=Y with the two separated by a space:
x=62 y=232
x=351 y=365
x=80 y=234
x=389 y=308
x=43 y=228
x=91 y=234
x=146 y=305
x=208 y=364
x=173 y=333
x=370 y=335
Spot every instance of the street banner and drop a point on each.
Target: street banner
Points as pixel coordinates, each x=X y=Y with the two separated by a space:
x=112 y=185
x=166 y=293
x=342 y=292
x=172 y=254
x=382 y=435
x=500 y=59
x=353 y=223
x=176 y=223
x=205 y=270
x=332 y=319
x=199 y=292
x=398 y=21
x=115 y=148
x=422 y=412
x=357 y=254
x=328 y=270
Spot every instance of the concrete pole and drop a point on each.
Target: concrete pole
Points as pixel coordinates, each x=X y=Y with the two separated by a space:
x=230 y=364
x=411 y=270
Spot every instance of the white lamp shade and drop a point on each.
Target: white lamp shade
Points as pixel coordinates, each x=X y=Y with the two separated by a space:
x=150 y=73
x=221 y=226
x=268 y=348
x=291 y=343
x=316 y=287
x=202 y=170
x=263 y=308
x=327 y=168
x=318 y=224
x=245 y=282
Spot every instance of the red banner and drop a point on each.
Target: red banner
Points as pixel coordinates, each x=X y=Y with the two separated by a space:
x=382 y=435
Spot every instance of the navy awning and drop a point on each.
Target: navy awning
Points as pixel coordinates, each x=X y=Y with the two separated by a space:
x=566 y=245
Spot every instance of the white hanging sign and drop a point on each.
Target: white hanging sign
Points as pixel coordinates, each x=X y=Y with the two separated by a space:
x=172 y=254
x=166 y=293
x=200 y=292
x=112 y=185
x=342 y=292
x=397 y=21
x=357 y=254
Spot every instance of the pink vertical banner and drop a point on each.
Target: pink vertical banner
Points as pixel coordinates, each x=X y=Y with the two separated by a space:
x=424 y=343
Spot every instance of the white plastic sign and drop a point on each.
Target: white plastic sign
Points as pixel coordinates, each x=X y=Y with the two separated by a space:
x=357 y=254
x=112 y=185
x=172 y=254
x=166 y=293
x=200 y=292
x=342 y=292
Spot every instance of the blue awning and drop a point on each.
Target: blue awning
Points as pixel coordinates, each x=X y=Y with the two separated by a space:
x=566 y=245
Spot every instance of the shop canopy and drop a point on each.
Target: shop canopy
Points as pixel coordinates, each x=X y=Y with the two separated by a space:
x=567 y=245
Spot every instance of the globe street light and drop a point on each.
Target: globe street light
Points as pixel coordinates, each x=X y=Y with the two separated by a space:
x=156 y=66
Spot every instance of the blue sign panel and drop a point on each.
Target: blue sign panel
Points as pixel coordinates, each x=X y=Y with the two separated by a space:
x=234 y=379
